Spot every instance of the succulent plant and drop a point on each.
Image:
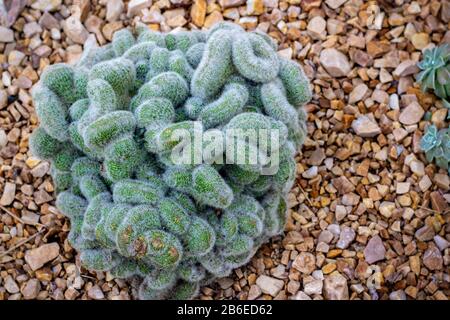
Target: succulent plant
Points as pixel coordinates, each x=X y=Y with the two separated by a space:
x=435 y=72
x=107 y=125
x=436 y=145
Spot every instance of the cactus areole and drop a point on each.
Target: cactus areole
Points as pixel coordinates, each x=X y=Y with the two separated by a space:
x=109 y=126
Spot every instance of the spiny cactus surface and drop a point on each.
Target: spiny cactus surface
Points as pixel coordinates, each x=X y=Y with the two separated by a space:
x=107 y=126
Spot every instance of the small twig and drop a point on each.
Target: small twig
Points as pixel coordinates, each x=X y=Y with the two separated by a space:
x=19 y=218
x=435 y=211
x=88 y=277
x=306 y=195
x=2 y=254
x=12 y=214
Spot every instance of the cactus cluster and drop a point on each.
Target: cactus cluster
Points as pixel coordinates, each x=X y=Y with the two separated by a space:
x=106 y=125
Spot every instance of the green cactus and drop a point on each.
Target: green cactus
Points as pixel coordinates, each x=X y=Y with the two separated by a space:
x=52 y=112
x=254 y=58
x=109 y=125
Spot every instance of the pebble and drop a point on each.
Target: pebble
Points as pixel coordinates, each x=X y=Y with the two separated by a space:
x=135 y=6
x=426 y=233
x=48 y=21
x=255 y=7
x=412 y=114
x=442 y=181
x=8 y=195
x=46 y=5
x=358 y=93
x=334 y=4
x=212 y=19
x=198 y=12
x=438 y=202
x=362 y=58
x=113 y=9
x=95 y=293
x=365 y=127
x=41 y=169
x=32 y=28
x=335 y=62
x=335 y=287
x=432 y=258
x=425 y=183
x=305 y=262
x=397 y=295
x=343 y=185
x=37 y=257
x=6 y=34
x=311 y=173
x=31 y=289
x=316 y=27
x=375 y=250
x=387 y=208
x=75 y=31
x=420 y=40
x=3 y=99
x=15 y=57
x=254 y=292
x=346 y=237
x=441 y=243
x=231 y=3
x=301 y=296
x=313 y=287
x=269 y=285
x=417 y=167
x=3 y=138
x=340 y=212
x=402 y=187
x=406 y=68
x=41 y=196
x=10 y=285
x=325 y=236
x=335 y=26
x=317 y=157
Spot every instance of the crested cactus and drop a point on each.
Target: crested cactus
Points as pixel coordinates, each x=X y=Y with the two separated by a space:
x=108 y=126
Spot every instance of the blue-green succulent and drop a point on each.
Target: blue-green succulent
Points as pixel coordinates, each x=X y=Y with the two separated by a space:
x=436 y=145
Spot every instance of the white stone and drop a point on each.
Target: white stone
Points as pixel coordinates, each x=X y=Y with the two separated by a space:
x=335 y=287
x=357 y=93
x=316 y=27
x=270 y=285
x=311 y=172
x=135 y=6
x=37 y=257
x=313 y=287
x=8 y=195
x=334 y=4
x=386 y=208
x=113 y=9
x=335 y=62
x=403 y=187
x=412 y=114
x=75 y=30
x=365 y=127
x=46 y=5
x=6 y=35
